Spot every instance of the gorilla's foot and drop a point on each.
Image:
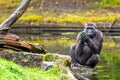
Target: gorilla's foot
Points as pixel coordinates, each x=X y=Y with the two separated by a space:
x=75 y=66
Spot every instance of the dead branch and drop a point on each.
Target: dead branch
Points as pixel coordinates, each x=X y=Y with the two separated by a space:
x=5 y=26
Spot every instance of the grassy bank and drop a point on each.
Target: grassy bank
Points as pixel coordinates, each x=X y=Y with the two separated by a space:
x=69 y=18
x=66 y=17
x=12 y=71
x=36 y=16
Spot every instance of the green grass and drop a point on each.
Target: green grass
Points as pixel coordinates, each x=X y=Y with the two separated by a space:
x=66 y=18
x=12 y=71
x=110 y=3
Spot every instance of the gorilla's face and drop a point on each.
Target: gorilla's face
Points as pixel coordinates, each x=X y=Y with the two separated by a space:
x=90 y=31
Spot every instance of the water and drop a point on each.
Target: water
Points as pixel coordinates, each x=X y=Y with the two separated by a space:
x=108 y=67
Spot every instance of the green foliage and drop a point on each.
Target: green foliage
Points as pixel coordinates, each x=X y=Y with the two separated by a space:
x=11 y=71
x=109 y=44
x=32 y=18
x=110 y=3
x=68 y=18
x=36 y=16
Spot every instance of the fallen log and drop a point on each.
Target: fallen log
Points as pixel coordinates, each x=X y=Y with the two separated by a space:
x=11 y=41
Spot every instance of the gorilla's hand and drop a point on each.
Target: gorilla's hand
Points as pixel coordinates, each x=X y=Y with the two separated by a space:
x=83 y=36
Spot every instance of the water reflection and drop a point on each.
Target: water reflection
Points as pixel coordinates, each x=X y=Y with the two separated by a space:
x=108 y=73
x=109 y=66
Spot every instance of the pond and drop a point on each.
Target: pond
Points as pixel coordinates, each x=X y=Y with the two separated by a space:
x=108 y=67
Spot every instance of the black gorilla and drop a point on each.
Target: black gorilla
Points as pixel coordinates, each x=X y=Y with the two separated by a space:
x=87 y=48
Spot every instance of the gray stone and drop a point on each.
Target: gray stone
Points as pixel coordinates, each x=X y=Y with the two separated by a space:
x=22 y=58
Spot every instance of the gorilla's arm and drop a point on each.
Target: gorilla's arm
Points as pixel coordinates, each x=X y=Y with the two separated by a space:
x=79 y=45
x=95 y=44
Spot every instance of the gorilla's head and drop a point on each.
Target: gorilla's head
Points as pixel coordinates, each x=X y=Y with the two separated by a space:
x=90 y=29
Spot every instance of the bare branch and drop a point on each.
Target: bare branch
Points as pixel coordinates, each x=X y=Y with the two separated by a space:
x=5 y=26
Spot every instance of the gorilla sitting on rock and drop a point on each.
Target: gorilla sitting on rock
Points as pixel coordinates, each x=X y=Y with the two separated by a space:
x=87 y=48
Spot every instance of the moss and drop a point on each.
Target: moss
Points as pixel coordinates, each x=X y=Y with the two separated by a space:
x=49 y=57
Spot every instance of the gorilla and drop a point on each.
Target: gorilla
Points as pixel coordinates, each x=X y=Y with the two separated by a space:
x=87 y=48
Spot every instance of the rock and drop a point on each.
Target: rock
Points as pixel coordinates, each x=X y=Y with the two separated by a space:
x=82 y=72
x=46 y=65
x=22 y=58
x=47 y=61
